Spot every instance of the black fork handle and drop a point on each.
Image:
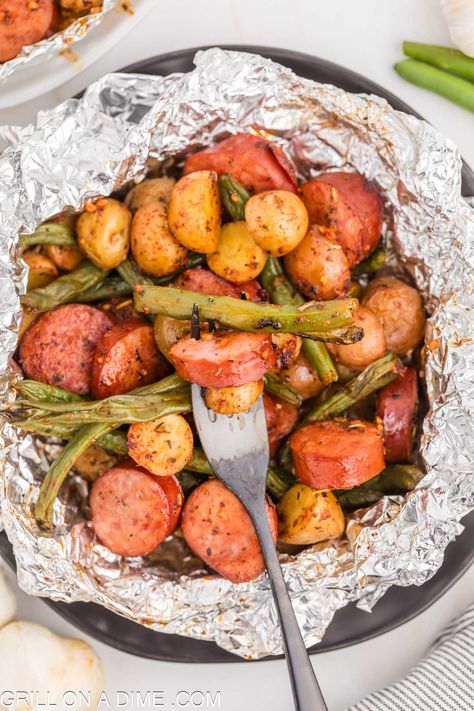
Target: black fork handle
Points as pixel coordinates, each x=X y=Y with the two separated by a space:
x=306 y=691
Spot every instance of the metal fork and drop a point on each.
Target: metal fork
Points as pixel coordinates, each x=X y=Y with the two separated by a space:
x=237 y=449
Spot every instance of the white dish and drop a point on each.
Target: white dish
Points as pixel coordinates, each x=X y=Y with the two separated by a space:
x=38 y=78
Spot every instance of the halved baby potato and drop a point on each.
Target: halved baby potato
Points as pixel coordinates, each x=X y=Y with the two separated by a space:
x=153 y=247
x=42 y=271
x=65 y=258
x=163 y=446
x=277 y=220
x=237 y=257
x=234 y=398
x=194 y=212
x=150 y=192
x=103 y=232
x=307 y=516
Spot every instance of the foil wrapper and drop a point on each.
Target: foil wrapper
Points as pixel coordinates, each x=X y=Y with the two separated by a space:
x=58 y=42
x=123 y=125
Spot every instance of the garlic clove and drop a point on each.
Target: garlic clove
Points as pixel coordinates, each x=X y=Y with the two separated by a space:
x=53 y=669
x=459 y=15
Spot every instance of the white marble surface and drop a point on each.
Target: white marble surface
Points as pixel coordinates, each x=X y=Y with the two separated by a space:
x=365 y=36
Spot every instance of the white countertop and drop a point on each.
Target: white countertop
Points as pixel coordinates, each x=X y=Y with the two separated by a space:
x=366 y=37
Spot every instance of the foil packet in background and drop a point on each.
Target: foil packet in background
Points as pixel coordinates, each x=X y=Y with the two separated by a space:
x=91 y=147
x=58 y=42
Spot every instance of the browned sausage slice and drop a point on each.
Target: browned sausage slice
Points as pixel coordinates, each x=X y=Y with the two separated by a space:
x=281 y=417
x=396 y=406
x=126 y=358
x=346 y=202
x=23 y=22
x=206 y=282
x=58 y=348
x=175 y=496
x=222 y=359
x=337 y=454
x=130 y=510
x=219 y=530
x=256 y=163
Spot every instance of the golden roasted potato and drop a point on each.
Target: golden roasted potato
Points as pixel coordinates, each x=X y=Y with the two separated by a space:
x=154 y=248
x=65 y=258
x=287 y=347
x=103 y=232
x=163 y=446
x=237 y=257
x=194 y=212
x=41 y=270
x=318 y=266
x=168 y=331
x=150 y=192
x=307 y=516
x=400 y=310
x=372 y=346
x=234 y=398
x=302 y=378
x=277 y=220
x=93 y=462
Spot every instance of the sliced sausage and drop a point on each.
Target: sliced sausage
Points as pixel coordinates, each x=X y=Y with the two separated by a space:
x=130 y=510
x=337 y=454
x=222 y=359
x=396 y=406
x=400 y=310
x=348 y=203
x=281 y=417
x=23 y=23
x=126 y=358
x=175 y=496
x=206 y=282
x=219 y=530
x=372 y=346
x=59 y=347
x=256 y=163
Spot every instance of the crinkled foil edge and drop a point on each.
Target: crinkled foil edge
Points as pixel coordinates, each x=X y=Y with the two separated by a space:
x=58 y=42
x=127 y=124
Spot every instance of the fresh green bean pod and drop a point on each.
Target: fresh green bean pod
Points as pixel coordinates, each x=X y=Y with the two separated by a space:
x=66 y=288
x=234 y=196
x=281 y=292
x=452 y=60
x=276 y=386
x=199 y=463
x=49 y=233
x=111 y=287
x=459 y=91
x=84 y=438
x=325 y=320
x=373 y=378
x=372 y=264
x=132 y=275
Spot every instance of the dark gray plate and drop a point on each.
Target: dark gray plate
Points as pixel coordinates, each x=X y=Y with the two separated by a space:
x=350 y=625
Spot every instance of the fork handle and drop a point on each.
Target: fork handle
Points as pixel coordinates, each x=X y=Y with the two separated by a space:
x=306 y=692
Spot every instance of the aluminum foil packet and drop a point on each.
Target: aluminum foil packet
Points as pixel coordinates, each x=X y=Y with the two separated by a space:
x=58 y=42
x=124 y=124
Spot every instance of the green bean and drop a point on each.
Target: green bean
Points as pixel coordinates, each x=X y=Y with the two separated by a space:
x=49 y=233
x=66 y=288
x=188 y=480
x=460 y=91
x=84 y=438
x=111 y=287
x=278 y=482
x=199 y=463
x=234 y=196
x=375 y=376
x=373 y=263
x=132 y=275
x=443 y=57
x=281 y=292
x=394 y=479
x=325 y=320
x=276 y=386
